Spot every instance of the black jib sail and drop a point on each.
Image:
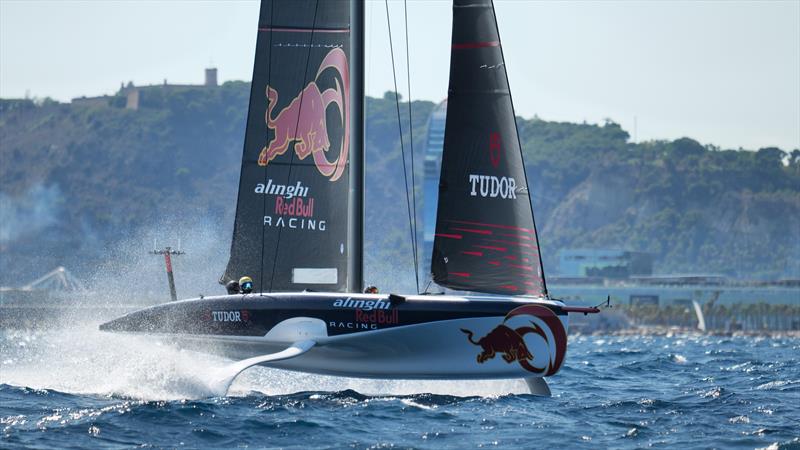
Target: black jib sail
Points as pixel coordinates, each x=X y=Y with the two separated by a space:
x=485 y=235
x=291 y=226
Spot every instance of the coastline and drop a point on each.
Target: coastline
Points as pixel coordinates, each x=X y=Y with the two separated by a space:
x=670 y=331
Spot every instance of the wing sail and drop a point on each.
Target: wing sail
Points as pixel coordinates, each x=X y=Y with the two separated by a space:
x=485 y=239
x=291 y=226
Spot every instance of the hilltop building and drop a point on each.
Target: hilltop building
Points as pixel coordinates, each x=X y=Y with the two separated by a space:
x=211 y=77
x=131 y=97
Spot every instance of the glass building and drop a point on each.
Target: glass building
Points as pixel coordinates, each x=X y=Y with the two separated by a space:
x=430 y=186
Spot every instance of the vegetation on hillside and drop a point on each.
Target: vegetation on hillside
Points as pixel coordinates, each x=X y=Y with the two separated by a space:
x=75 y=178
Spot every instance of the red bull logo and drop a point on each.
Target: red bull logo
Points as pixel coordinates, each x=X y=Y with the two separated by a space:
x=303 y=123
x=501 y=340
x=510 y=342
x=378 y=316
x=296 y=207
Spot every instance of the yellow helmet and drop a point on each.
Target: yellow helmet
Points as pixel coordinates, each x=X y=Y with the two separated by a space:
x=246 y=285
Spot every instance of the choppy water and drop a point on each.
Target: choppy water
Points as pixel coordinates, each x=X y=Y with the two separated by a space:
x=83 y=389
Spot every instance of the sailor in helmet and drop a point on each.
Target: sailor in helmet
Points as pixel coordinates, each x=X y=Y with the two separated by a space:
x=232 y=287
x=246 y=285
x=371 y=290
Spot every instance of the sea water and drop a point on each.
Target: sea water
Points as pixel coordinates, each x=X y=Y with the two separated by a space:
x=81 y=388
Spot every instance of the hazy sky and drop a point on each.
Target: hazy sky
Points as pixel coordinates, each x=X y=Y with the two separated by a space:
x=721 y=72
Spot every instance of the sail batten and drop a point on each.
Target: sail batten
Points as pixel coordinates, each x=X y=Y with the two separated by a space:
x=485 y=238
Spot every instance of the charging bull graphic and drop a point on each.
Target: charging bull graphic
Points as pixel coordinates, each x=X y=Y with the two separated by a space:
x=511 y=344
x=504 y=340
x=304 y=121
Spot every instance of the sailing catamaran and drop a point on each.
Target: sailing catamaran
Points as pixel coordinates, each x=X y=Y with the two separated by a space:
x=299 y=221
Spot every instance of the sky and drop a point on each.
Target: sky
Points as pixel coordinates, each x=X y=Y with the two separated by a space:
x=721 y=72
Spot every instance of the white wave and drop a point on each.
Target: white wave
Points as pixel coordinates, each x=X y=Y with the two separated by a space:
x=86 y=361
x=75 y=357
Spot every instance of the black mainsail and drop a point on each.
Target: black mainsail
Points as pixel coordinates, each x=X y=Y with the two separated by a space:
x=485 y=237
x=294 y=216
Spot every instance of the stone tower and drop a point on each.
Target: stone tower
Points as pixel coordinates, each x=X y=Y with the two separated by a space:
x=211 y=76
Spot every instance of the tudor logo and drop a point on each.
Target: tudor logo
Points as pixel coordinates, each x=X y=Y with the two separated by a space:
x=493 y=187
x=227 y=316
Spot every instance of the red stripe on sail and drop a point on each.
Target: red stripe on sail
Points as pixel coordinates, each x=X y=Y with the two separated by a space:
x=468 y=45
x=489 y=247
x=527 y=238
x=510 y=287
x=493 y=225
x=529 y=275
x=471 y=230
x=532 y=278
x=305 y=30
x=513 y=258
x=473 y=253
x=494 y=263
x=449 y=236
x=521 y=244
x=521 y=267
x=460 y=274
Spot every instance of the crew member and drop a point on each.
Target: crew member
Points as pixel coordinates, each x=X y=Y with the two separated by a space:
x=371 y=290
x=246 y=285
x=232 y=287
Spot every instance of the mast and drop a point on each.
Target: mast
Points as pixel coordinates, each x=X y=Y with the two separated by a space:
x=355 y=280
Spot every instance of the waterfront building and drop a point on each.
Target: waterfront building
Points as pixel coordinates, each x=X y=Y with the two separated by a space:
x=604 y=263
x=430 y=183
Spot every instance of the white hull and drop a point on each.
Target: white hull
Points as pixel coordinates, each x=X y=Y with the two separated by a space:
x=437 y=350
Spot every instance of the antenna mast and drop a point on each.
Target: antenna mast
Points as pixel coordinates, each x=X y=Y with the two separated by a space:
x=168 y=252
